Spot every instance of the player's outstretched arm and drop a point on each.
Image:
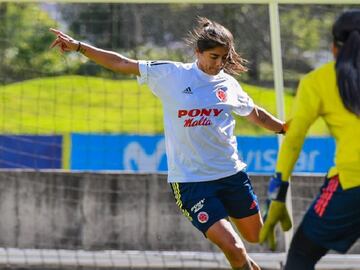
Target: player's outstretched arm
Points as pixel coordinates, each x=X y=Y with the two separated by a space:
x=108 y=59
x=261 y=117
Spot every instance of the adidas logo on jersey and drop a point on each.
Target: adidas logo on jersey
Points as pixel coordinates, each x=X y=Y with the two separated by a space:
x=187 y=91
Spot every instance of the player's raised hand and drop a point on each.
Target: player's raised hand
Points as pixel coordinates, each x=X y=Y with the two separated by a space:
x=64 y=42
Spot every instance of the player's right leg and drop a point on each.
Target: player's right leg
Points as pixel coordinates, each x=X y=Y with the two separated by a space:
x=224 y=236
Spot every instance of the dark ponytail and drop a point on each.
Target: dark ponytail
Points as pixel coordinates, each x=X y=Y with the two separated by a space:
x=346 y=32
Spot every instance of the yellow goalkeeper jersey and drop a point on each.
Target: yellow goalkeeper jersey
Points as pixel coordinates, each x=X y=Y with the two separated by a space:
x=318 y=96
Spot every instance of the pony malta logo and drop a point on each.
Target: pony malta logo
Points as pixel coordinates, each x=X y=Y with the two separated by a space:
x=198 y=117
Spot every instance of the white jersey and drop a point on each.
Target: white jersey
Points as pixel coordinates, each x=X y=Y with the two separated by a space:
x=198 y=121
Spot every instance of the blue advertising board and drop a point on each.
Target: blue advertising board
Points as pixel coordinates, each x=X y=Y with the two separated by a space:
x=118 y=152
x=147 y=153
x=31 y=151
x=260 y=154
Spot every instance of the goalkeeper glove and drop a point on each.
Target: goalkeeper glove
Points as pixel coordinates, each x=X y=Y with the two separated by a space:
x=275 y=211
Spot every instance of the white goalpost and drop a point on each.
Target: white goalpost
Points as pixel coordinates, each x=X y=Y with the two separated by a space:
x=63 y=258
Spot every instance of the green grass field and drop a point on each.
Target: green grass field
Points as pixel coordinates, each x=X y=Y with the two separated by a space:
x=67 y=104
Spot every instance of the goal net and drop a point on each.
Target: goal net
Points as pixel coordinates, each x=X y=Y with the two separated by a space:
x=82 y=158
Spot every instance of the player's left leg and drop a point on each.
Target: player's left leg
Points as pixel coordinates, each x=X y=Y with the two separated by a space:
x=241 y=203
x=249 y=227
x=303 y=253
x=331 y=222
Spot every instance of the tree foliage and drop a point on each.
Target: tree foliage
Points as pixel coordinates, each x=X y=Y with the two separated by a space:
x=144 y=30
x=157 y=31
x=24 y=43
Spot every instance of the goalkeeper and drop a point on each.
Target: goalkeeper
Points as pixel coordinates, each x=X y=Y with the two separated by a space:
x=333 y=93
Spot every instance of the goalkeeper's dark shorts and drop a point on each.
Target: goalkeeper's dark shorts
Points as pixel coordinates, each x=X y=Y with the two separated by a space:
x=333 y=219
x=205 y=203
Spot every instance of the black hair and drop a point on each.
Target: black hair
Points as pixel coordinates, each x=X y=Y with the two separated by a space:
x=346 y=34
x=208 y=35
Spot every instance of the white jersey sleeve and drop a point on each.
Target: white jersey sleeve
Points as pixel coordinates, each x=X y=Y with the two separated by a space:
x=244 y=104
x=158 y=75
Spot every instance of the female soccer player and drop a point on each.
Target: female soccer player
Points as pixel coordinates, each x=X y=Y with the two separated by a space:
x=333 y=93
x=206 y=175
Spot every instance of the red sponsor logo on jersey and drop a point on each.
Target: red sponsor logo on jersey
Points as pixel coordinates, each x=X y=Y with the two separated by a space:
x=203 y=217
x=199 y=112
x=191 y=122
x=198 y=117
x=221 y=95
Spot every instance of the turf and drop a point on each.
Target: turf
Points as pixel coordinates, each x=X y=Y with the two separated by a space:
x=64 y=104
